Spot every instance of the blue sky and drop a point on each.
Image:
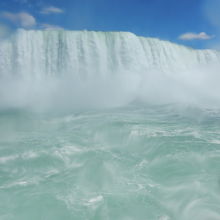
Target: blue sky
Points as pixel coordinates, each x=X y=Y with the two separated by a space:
x=193 y=23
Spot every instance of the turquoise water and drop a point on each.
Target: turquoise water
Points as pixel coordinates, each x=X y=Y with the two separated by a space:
x=133 y=163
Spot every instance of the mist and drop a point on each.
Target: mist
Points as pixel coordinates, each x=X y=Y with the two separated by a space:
x=197 y=87
x=67 y=93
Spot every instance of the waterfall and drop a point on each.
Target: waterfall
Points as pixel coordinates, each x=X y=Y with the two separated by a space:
x=38 y=53
x=103 y=66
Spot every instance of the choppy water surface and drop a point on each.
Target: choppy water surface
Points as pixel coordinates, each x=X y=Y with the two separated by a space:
x=146 y=163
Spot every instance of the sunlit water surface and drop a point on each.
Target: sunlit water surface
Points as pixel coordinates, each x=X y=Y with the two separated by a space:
x=134 y=163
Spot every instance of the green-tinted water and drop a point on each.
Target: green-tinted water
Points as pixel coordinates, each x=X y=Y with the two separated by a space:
x=147 y=163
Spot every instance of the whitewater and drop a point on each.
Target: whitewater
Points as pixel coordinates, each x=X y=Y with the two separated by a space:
x=108 y=126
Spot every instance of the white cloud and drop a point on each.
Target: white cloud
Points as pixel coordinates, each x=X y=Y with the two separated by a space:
x=22 y=19
x=50 y=27
x=195 y=36
x=51 y=10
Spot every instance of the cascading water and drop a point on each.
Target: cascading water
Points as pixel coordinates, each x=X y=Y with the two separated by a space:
x=111 y=69
x=36 y=54
x=107 y=126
